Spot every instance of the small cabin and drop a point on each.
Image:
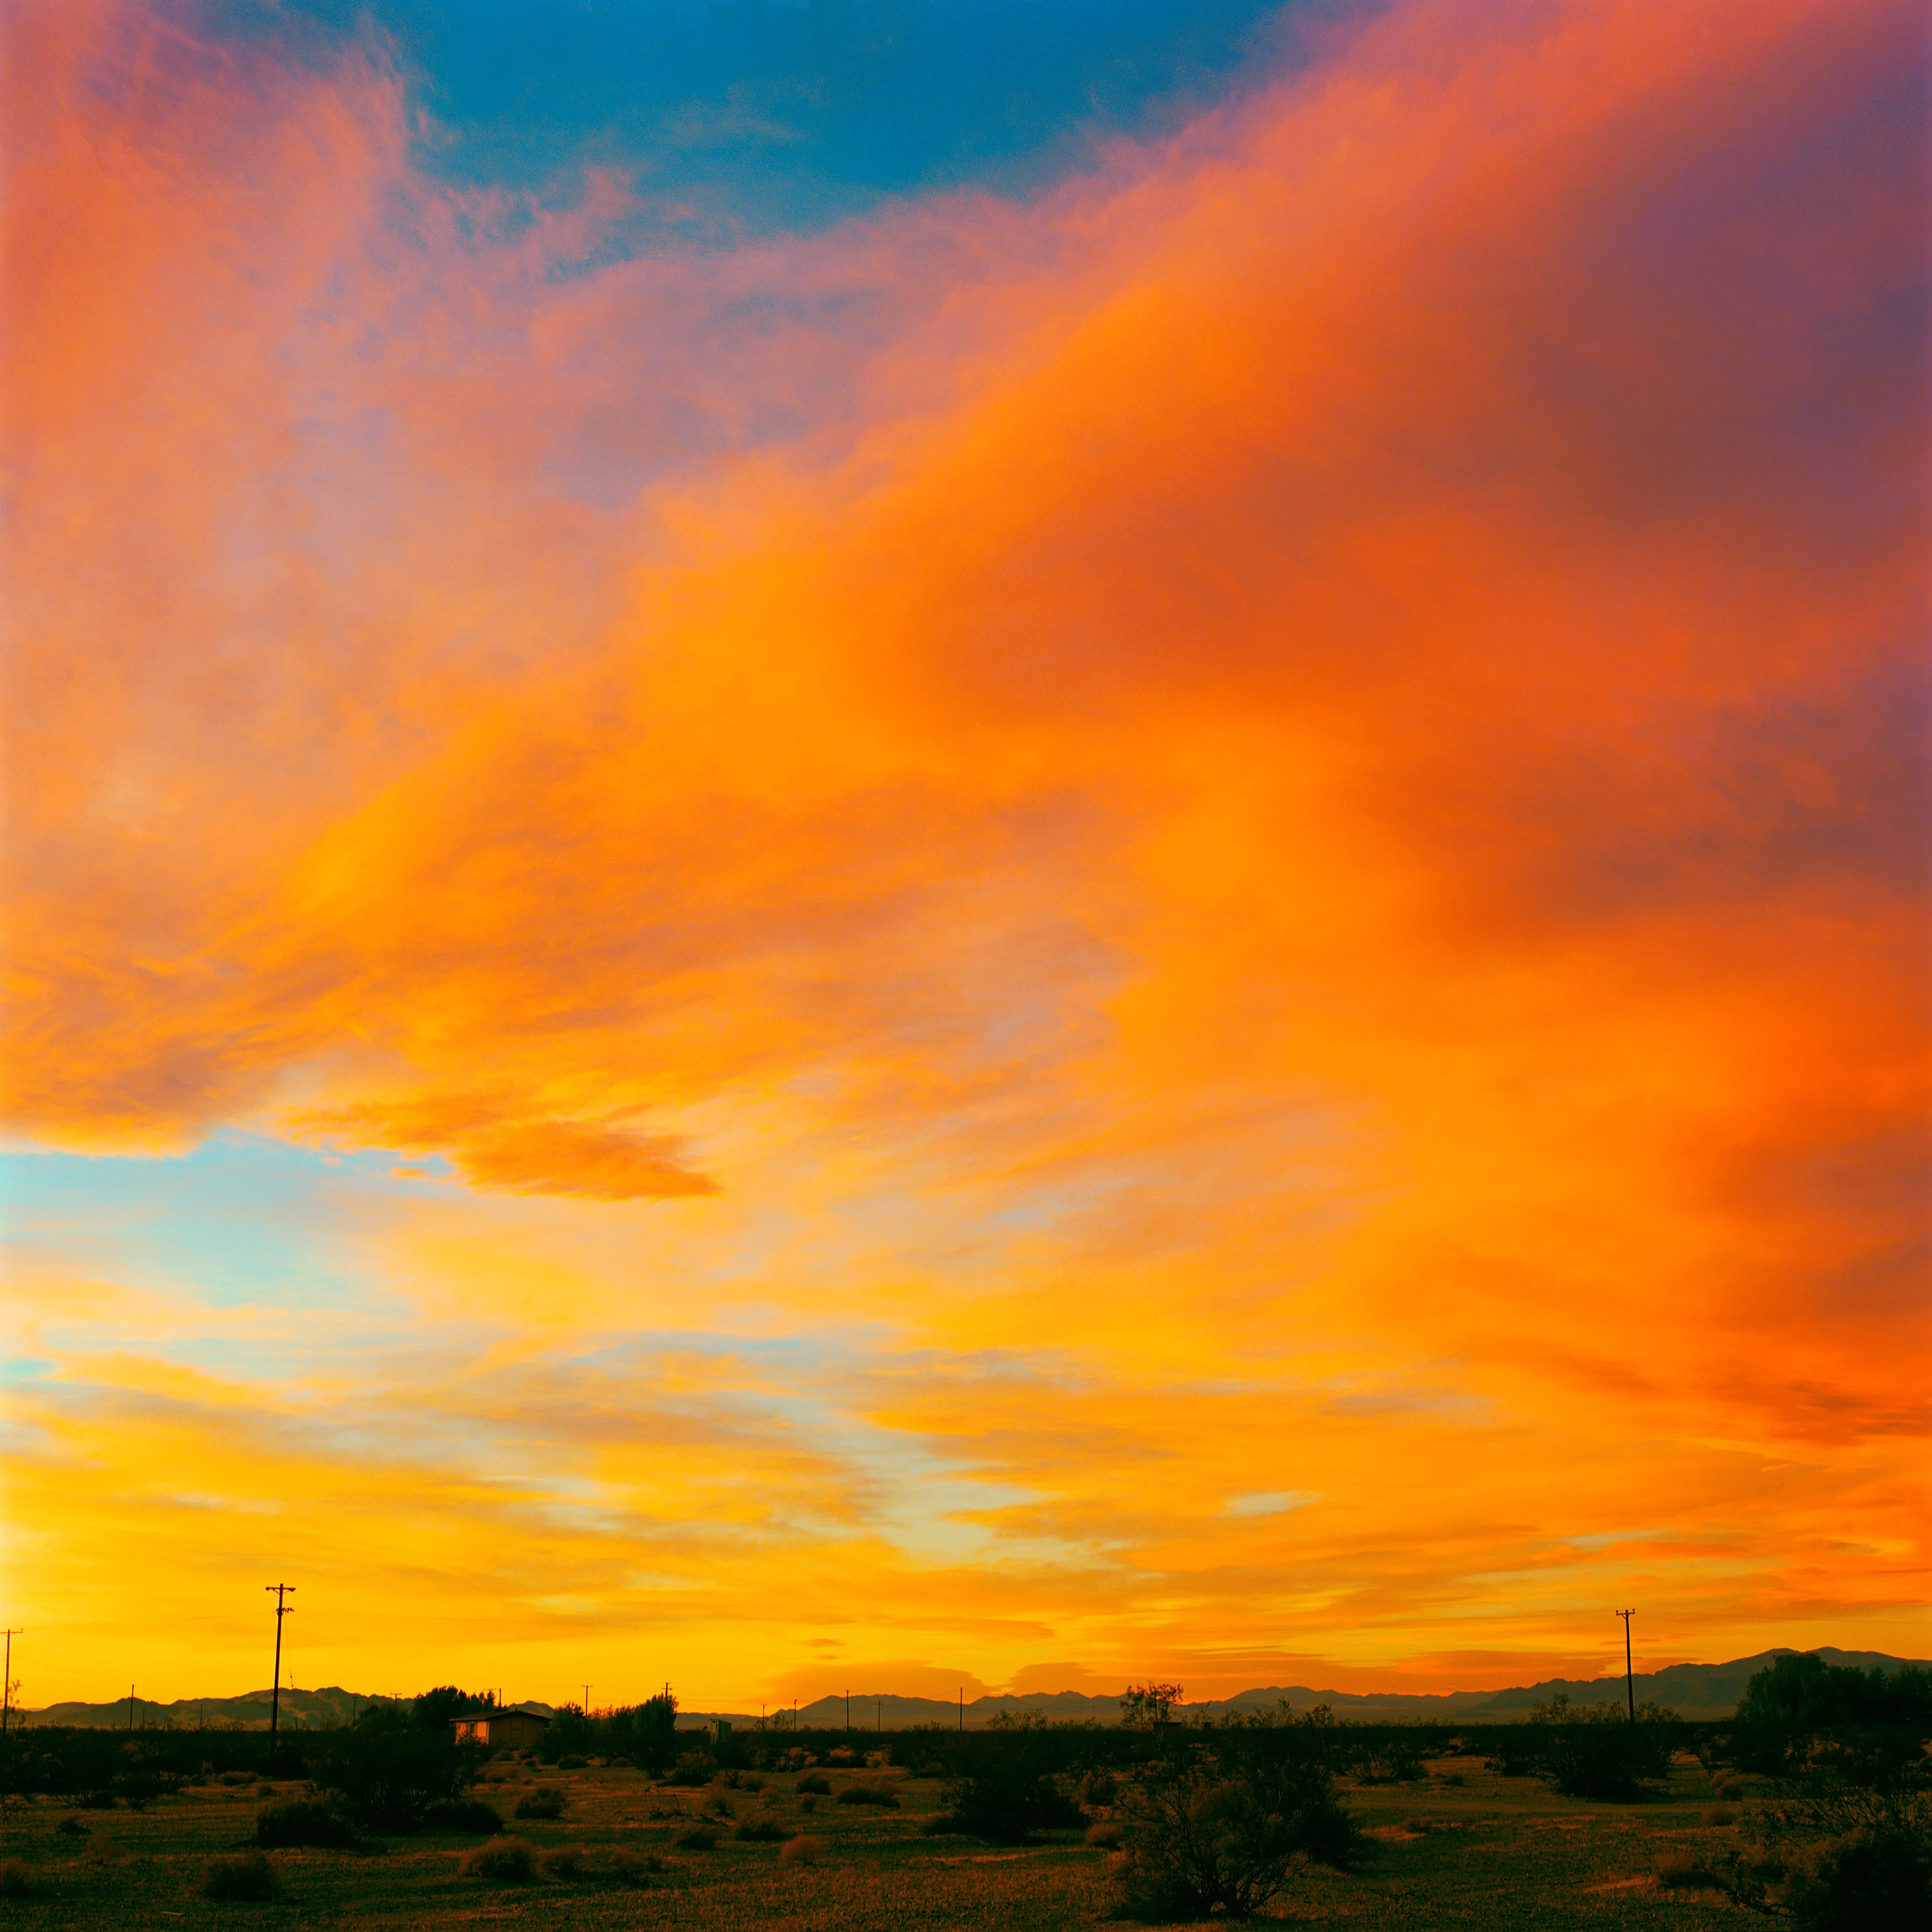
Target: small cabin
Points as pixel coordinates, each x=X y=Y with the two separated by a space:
x=515 y=1730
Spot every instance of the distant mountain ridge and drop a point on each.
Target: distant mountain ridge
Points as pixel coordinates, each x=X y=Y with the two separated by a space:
x=1690 y=1690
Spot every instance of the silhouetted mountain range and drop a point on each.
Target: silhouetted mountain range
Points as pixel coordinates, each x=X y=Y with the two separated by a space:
x=1690 y=1690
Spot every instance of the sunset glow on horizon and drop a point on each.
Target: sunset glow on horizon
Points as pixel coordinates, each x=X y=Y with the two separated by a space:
x=1151 y=906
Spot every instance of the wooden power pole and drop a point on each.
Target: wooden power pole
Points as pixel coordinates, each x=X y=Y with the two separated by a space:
x=7 y=1682
x=1630 y=1681
x=280 y=1592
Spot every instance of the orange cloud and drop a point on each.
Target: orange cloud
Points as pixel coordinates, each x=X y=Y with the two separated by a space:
x=1281 y=853
x=492 y=1147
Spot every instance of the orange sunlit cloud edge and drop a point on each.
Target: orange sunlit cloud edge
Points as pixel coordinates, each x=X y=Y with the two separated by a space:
x=1283 y=855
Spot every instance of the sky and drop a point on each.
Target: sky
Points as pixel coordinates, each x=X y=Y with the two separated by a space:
x=916 y=846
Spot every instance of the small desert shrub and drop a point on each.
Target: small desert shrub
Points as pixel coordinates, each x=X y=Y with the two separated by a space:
x=73 y=1828
x=1730 y=1788
x=801 y=1851
x=1106 y=1835
x=1683 y=1871
x=812 y=1781
x=760 y=1831
x=236 y=1777
x=13 y=1880
x=751 y=1781
x=693 y=1770
x=930 y=1769
x=1202 y=1836
x=719 y=1806
x=809 y=1802
x=1717 y=1814
x=766 y=1799
x=1007 y=1797
x=1596 y=1751
x=572 y=1761
x=1878 y=1879
x=870 y=1794
x=464 y=1814
x=546 y=1802
x=249 y=1877
x=565 y=1862
x=504 y=1861
x=1454 y=1777
x=695 y=1838
x=303 y=1821
x=1099 y=1787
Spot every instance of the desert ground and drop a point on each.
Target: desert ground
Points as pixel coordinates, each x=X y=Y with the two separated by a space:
x=1463 y=1847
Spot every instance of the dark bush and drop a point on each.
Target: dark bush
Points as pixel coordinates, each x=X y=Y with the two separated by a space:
x=760 y=1831
x=869 y=1794
x=463 y=1814
x=1099 y=1787
x=546 y=1802
x=504 y=1861
x=693 y=1770
x=1004 y=1792
x=572 y=1761
x=73 y=1827
x=813 y=1782
x=695 y=1838
x=1202 y=1836
x=303 y=1821
x=1876 y=1880
x=1684 y=1871
x=1397 y=1760
x=1597 y=1751
x=249 y=1877
x=389 y=1778
x=14 y=1882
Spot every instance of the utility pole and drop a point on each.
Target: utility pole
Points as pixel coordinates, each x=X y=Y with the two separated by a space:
x=130 y=1707
x=1630 y=1681
x=280 y=1592
x=7 y=1681
x=586 y=1700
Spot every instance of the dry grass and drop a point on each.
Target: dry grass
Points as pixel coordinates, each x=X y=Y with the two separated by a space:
x=803 y=1851
x=1683 y=1871
x=502 y=1860
x=249 y=1877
